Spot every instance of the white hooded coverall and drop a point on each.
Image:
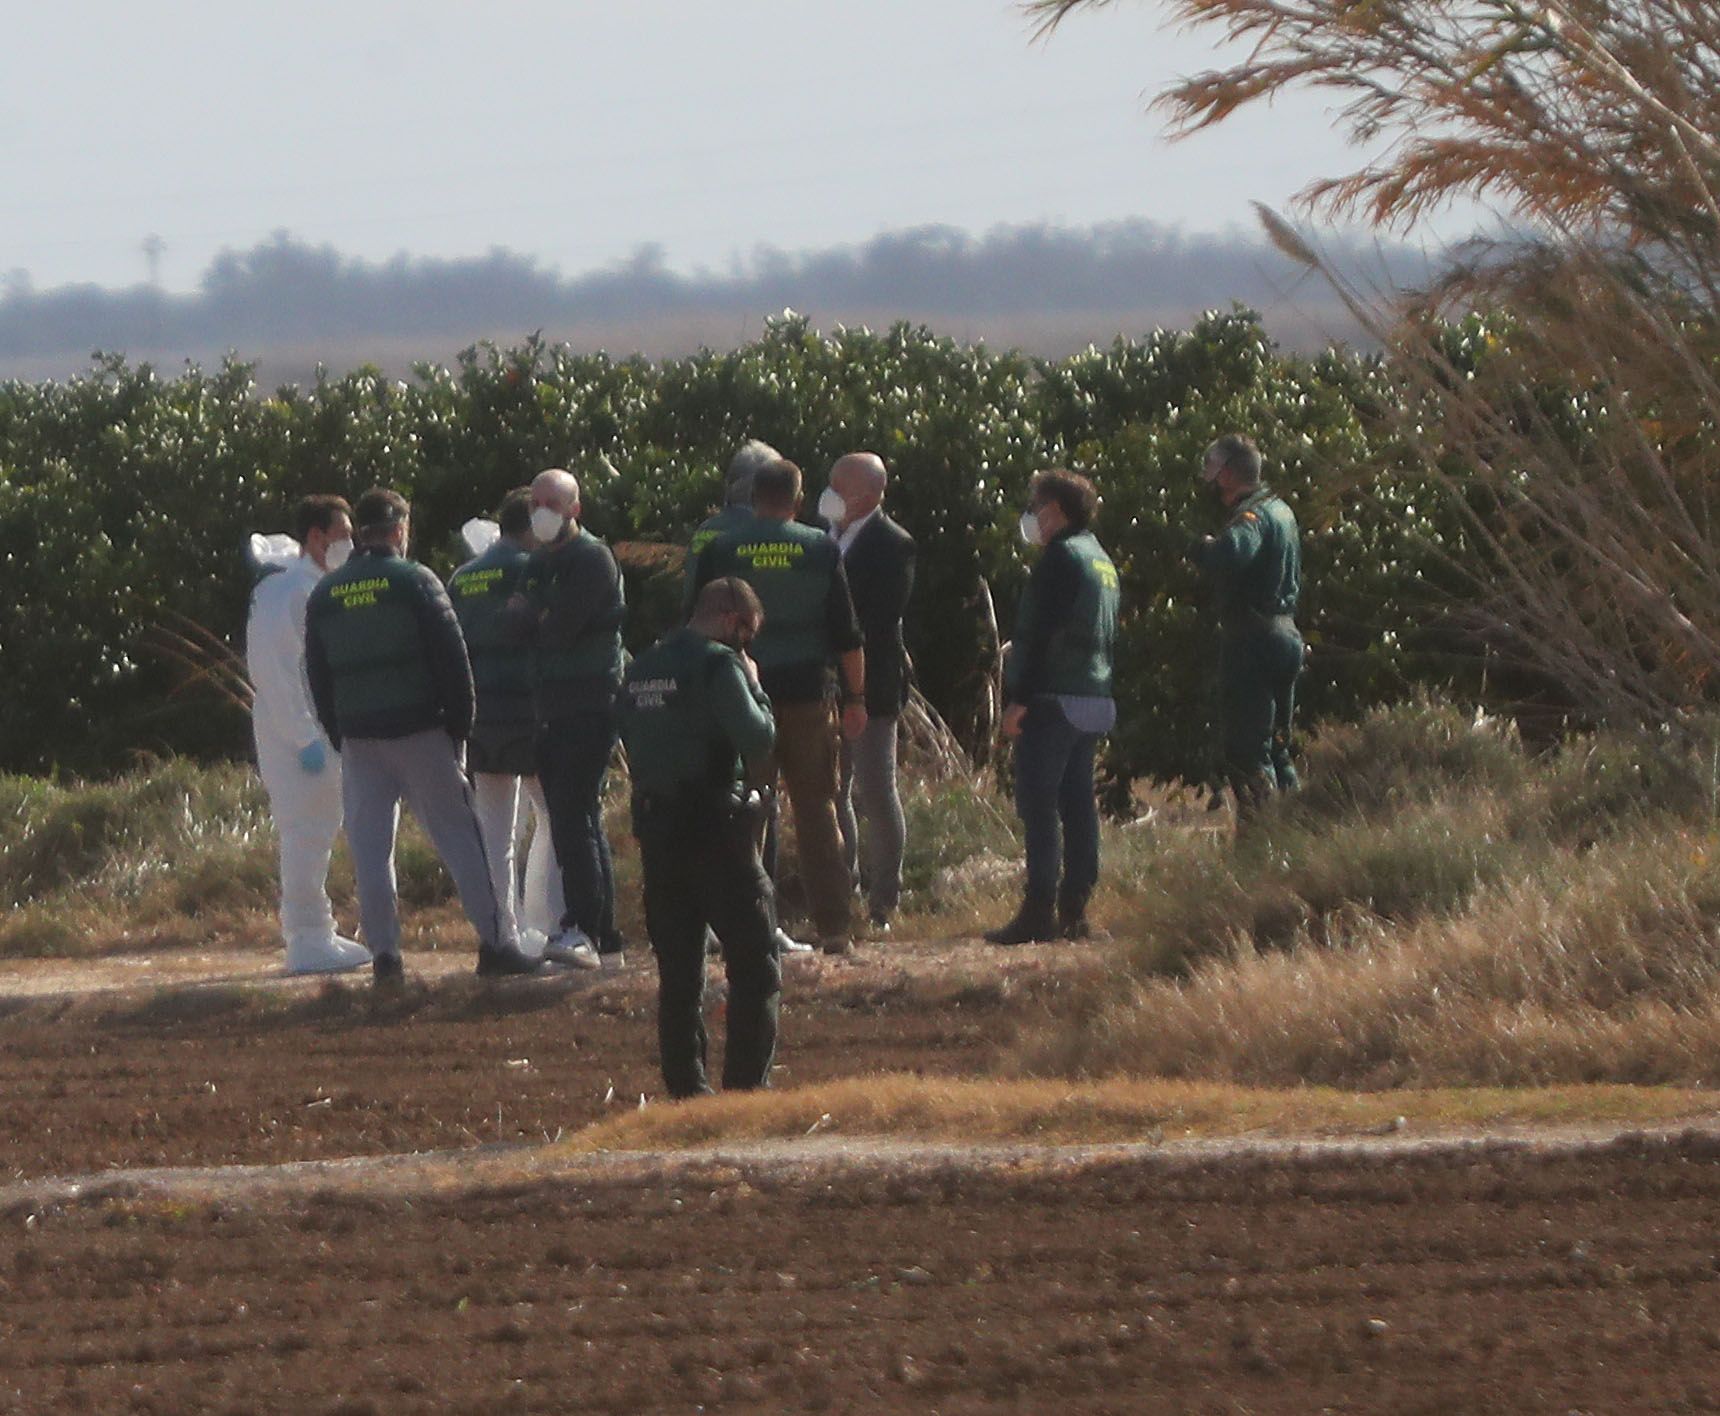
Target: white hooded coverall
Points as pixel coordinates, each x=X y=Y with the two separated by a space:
x=306 y=805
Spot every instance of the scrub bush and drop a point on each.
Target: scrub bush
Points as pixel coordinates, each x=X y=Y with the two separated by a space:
x=86 y=867
x=123 y=834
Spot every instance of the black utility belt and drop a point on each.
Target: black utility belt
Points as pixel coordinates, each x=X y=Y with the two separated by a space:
x=701 y=801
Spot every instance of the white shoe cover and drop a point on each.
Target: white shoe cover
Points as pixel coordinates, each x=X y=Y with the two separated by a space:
x=331 y=955
x=574 y=949
x=533 y=942
x=788 y=944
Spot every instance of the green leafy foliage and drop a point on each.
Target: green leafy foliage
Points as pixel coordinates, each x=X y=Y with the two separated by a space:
x=126 y=499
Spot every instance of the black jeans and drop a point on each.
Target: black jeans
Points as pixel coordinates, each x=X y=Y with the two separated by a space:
x=572 y=756
x=702 y=868
x=1059 y=810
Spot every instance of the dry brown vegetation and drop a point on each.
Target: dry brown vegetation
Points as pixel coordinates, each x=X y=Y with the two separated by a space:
x=1040 y=1112
x=1440 y=908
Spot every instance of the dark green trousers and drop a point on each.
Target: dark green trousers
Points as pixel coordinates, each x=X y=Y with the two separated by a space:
x=1257 y=671
x=702 y=869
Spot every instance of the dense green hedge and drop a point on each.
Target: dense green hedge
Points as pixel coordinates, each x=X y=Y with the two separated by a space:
x=125 y=498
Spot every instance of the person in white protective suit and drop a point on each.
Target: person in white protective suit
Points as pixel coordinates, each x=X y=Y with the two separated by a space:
x=299 y=769
x=500 y=753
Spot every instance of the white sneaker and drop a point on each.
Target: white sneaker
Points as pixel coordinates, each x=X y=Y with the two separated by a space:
x=573 y=948
x=533 y=942
x=331 y=955
x=787 y=944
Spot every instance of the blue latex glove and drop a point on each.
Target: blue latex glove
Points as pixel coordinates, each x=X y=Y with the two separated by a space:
x=313 y=757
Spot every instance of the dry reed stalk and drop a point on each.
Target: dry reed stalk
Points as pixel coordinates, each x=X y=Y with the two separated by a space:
x=1581 y=450
x=207 y=658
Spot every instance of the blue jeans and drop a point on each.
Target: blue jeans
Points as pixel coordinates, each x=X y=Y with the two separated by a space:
x=1059 y=809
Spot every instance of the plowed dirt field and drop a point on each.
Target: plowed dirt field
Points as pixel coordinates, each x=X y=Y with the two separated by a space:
x=250 y=1068
x=1494 y=1277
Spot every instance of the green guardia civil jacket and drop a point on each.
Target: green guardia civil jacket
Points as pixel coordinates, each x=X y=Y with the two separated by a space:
x=692 y=721
x=730 y=518
x=1255 y=563
x=1066 y=626
x=501 y=656
x=808 y=613
x=577 y=608
x=384 y=653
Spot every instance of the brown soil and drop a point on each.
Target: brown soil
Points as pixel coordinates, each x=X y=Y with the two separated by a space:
x=249 y=1068
x=1488 y=1278
x=1499 y=1279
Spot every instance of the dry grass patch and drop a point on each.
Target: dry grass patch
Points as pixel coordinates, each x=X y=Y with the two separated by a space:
x=1608 y=971
x=1486 y=918
x=1059 y=1113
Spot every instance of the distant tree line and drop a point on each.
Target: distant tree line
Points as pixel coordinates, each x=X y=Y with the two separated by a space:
x=284 y=291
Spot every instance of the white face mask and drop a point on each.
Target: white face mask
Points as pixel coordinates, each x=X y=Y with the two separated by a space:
x=831 y=507
x=335 y=554
x=547 y=524
x=1030 y=531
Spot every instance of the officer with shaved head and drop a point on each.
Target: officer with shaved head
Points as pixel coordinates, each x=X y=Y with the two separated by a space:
x=573 y=611
x=878 y=556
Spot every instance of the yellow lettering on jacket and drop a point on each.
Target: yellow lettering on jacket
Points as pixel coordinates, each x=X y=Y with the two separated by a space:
x=352 y=594
x=480 y=582
x=653 y=693
x=771 y=555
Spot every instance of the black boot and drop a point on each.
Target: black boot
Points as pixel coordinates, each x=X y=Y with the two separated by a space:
x=506 y=963
x=1072 y=923
x=387 y=975
x=1033 y=924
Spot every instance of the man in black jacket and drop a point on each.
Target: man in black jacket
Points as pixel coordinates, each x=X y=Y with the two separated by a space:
x=393 y=690
x=878 y=556
x=573 y=610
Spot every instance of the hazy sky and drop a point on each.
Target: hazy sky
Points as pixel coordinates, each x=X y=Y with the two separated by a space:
x=575 y=131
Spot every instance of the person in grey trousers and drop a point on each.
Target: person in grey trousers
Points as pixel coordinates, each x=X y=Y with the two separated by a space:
x=393 y=690
x=878 y=556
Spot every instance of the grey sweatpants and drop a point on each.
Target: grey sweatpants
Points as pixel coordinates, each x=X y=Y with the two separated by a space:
x=869 y=792
x=422 y=769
